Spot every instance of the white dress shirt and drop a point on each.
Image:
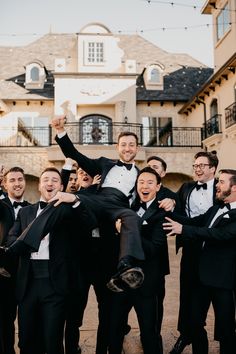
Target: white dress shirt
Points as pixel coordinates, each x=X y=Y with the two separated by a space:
x=43 y=251
x=200 y=200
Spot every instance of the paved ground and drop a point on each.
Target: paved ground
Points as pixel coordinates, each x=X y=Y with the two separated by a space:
x=169 y=333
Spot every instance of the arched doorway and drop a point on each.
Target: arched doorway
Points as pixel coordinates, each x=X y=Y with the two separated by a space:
x=95 y=129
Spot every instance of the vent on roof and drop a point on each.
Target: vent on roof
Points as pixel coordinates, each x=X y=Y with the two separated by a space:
x=60 y=65
x=130 y=66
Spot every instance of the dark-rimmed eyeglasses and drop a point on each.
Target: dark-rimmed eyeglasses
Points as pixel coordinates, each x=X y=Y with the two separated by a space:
x=201 y=166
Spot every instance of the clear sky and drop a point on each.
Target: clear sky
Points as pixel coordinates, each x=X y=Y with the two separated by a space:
x=176 y=26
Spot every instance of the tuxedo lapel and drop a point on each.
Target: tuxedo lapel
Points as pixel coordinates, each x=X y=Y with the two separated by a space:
x=151 y=210
x=109 y=164
x=225 y=216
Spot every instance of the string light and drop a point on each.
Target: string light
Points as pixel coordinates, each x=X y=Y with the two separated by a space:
x=186 y=5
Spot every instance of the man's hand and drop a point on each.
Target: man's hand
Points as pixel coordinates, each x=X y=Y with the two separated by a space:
x=167 y=204
x=174 y=227
x=118 y=225
x=96 y=179
x=58 y=123
x=62 y=197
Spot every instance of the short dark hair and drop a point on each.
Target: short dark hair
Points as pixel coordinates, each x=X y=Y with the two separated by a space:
x=211 y=156
x=126 y=133
x=50 y=169
x=148 y=169
x=157 y=158
x=231 y=172
x=13 y=169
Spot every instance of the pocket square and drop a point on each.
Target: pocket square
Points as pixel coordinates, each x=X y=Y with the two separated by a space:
x=226 y=216
x=144 y=222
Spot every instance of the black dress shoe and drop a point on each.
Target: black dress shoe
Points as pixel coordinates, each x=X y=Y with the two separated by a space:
x=126 y=278
x=180 y=344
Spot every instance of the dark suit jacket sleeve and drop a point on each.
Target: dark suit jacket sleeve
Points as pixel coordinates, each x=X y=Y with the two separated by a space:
x=65 y=176
x=91 y=166
x=224 y=231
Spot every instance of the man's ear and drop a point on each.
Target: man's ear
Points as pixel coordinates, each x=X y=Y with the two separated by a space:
x=233 y=188
x=158 y=187
x=61 y=188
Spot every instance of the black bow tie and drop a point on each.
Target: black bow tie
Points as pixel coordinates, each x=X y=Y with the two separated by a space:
x=225 y=205
x=143 y=205
x=17 y=204
x=127 y=165
x=199 y=186
x=42 y=204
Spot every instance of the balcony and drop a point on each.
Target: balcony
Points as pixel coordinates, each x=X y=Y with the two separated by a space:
x=230 y=115
x=102 y=134
x=213 y=126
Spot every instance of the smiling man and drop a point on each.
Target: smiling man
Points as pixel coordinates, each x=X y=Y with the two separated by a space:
x=214 y=233
x=111 y=200
x=195 y=197
x=14 y=184
x=44 y=276
x=155 y=267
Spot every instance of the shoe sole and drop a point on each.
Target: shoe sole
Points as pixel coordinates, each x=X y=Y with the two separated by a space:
x=133 y=277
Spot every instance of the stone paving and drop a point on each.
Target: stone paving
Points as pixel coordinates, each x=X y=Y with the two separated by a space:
x=169 y=332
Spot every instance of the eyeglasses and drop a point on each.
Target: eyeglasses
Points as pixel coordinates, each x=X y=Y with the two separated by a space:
x=201 y=166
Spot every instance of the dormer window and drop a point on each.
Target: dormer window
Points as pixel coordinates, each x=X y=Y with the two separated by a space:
x=35 y=75
x=153 y=77
x=94 y=53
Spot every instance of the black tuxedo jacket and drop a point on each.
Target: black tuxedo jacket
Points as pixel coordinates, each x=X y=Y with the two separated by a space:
x=93 y=167
x=64 y=234
x=183 y=196
x=154 y=242
x=7 y=219
x=217 y=258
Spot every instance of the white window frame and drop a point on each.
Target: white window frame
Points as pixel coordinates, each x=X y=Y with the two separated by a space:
x=223 y=22
x=98 y=57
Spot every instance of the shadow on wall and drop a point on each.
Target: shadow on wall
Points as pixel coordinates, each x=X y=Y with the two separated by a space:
x=31 y=191
x=175 y=180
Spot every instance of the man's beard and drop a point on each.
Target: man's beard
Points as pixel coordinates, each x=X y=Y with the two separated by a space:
x=224 y=194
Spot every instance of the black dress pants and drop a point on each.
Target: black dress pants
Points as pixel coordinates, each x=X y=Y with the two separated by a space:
x=41 y=317
x=224 y=309
x=7 y=315
x=145 y=308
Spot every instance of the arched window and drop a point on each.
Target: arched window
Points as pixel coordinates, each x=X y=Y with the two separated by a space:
x=155 y=76
x=214 y=108
x=34 y=74
x=95 y=129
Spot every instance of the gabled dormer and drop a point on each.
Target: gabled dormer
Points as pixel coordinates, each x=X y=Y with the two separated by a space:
x=98 y=50
x=153 y=76
x=35 y=75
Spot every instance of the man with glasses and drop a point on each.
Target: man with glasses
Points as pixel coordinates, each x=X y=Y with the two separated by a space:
x=196 y=198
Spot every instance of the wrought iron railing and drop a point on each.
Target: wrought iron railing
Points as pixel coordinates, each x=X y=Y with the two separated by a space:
x=230 y=115
x=213 y=126
x=84 y=134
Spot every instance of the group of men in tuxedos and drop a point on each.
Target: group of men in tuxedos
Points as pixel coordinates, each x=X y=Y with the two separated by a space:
x=49 y=259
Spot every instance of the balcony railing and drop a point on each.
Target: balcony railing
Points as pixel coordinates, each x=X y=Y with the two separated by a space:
x=213 y=126
x=105 y=134
x=230 y=115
